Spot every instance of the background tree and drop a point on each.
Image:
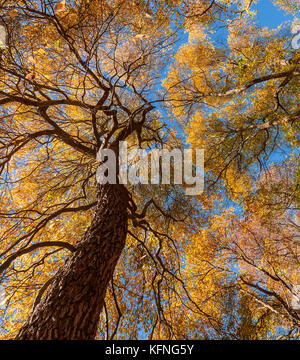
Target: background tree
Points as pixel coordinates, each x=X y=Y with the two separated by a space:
x=242 y=96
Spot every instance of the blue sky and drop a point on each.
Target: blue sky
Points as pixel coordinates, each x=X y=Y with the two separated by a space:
x=270 y=15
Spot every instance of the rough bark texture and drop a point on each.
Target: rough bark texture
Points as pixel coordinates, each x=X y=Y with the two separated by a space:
x=73 y=303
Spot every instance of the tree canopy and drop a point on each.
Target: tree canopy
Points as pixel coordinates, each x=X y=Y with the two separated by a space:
x=78 y=76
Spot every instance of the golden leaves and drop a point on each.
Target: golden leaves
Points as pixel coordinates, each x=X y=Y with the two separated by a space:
x=31 y=76
x=60 y=7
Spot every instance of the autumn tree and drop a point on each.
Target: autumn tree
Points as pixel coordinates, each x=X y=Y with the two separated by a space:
x=238 y=98
x=82 y=260
x=75 y=77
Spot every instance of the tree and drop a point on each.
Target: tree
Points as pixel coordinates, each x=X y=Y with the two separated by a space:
x=82 y=260
x=242 y=270
x=74 y=78
x=77 y=77
x=241 y=95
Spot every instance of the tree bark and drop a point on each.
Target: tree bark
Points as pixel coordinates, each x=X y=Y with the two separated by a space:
x=74 y=301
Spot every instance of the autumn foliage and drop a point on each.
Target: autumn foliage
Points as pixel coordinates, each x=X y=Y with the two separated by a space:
x=77 y=76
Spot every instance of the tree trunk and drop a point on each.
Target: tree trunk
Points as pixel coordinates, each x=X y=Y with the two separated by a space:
x=73 y=303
